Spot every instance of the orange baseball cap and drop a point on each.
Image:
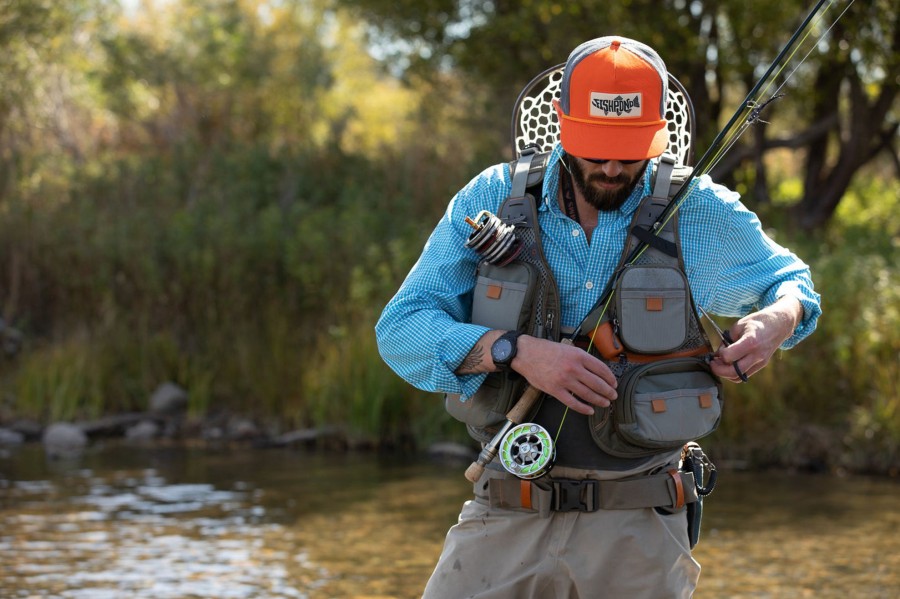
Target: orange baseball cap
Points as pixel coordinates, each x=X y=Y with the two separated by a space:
x=612 y=101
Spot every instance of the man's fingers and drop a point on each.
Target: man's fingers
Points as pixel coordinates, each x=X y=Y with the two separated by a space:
x=575 y=404
x=601 y=370
x=598 y=393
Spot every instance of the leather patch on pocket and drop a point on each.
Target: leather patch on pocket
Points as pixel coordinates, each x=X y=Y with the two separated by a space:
x=494 y=291
x=658 y=406
x=654 y=304
x=706 y=400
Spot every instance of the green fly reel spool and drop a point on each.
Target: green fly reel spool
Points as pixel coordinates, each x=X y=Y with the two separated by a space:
x=527 y=451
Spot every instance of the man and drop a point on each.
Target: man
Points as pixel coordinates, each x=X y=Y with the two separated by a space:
x=504 y=545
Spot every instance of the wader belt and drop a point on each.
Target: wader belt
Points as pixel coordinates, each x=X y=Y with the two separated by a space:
x=669 y=489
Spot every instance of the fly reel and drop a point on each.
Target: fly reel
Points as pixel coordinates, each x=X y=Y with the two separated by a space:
x=527 y=451
x=495 y=241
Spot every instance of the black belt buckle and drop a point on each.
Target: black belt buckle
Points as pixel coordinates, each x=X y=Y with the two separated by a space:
x=575 y=495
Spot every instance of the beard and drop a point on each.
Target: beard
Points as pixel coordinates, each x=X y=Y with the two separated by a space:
x=599 y=198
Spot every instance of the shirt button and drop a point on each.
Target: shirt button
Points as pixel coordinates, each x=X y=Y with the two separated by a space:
x=576 y=232
x=589 y=285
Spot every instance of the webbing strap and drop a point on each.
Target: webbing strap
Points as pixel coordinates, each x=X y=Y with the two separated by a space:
x=665 y=489
x=679 y=487
x=664 y=169
x=520 y=176
x=670 y=248
x=525 y=493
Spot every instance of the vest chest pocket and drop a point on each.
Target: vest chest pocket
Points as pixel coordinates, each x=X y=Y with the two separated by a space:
x=653 y=309
x=504 y=295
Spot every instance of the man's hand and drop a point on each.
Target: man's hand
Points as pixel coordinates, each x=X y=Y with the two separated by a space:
x=756 y=337
x=568 y=373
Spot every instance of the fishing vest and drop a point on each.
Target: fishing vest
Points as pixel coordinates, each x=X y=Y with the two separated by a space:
x=648 y=335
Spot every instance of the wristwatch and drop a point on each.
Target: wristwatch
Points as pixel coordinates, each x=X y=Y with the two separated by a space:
x=504 y=349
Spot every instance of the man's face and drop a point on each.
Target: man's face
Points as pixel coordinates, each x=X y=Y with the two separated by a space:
x=605 y=185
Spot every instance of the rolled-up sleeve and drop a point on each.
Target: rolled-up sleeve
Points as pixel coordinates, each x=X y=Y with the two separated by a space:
x=741 y=268
x=424 y=332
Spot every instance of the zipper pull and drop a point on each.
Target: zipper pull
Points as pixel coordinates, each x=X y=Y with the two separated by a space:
x=615 y=339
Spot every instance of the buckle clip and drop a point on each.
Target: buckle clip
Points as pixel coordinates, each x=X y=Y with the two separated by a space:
x=575 y=495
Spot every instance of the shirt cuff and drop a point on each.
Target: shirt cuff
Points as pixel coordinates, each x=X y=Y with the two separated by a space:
x=456 y=343
x=810 y=301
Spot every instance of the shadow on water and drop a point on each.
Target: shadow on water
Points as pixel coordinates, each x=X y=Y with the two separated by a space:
x=169 y=522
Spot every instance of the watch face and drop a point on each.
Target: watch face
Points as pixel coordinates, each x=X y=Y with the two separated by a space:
x=501 y=350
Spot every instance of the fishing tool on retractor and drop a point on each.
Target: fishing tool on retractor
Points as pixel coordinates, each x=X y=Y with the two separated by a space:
x=492 y=239
x=724 y=338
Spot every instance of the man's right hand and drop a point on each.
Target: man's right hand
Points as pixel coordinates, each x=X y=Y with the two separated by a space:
x=568 y=373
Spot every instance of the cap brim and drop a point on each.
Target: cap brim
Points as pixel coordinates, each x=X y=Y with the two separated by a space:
x=612 y=141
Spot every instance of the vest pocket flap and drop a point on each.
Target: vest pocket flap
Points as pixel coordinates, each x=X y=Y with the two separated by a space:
x=652 y=308
x=503 y=295
x=677 y=416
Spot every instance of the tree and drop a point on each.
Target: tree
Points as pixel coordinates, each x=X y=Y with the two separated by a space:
x=844 y=99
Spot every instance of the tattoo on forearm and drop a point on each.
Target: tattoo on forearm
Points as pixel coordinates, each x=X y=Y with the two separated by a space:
x=472 y=361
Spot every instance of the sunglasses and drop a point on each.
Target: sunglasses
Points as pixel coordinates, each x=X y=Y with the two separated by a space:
x=605 y=160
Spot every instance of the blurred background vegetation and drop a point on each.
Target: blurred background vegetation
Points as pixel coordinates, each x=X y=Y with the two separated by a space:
x=224 y=194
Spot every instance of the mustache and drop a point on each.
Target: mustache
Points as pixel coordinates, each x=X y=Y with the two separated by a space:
x=601 y=178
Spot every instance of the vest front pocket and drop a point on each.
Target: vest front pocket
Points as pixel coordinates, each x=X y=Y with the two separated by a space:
x=652 y=309
x=504 y=295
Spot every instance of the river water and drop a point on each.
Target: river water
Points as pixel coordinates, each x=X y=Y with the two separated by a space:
x=160 y=523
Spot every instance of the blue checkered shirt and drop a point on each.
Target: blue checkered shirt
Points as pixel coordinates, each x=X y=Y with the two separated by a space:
x=733 y=268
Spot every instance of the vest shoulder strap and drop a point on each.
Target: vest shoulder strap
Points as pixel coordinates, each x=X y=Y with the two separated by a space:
x=668 y=179
x=527 y=174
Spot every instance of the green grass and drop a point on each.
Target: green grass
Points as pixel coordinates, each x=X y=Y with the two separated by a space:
x=265 y=306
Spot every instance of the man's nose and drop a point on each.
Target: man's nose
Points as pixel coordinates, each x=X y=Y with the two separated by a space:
x=612 y=168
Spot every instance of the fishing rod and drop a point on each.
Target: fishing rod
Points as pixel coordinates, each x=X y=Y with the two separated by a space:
x=746 y=115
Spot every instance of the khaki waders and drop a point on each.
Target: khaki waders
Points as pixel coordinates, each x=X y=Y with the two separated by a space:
x=515 y=541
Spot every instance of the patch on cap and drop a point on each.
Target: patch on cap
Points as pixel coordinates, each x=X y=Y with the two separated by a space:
x=616 y=106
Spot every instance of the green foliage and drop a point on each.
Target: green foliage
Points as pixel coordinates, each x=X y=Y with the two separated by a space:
x=224 y=194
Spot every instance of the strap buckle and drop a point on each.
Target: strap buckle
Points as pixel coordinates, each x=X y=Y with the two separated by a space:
x=575 y=495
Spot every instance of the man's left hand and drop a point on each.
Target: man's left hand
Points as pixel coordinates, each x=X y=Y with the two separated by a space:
x=756 y=338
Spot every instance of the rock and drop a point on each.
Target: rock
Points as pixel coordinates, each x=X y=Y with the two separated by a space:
x=145 y=430
x=213 y=433
x=168 y=399
x=307 y=435
x=10 y=339
x=10 y=437
x=242 y=429
x=113 y=425
x=326 y=435
x=62 y=440
x=32 y=429
x=814 y=448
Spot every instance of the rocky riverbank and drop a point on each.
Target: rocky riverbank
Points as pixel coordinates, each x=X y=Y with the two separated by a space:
x=166 y=420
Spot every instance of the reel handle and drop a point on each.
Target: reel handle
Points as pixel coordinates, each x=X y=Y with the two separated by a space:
x=516 y=415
